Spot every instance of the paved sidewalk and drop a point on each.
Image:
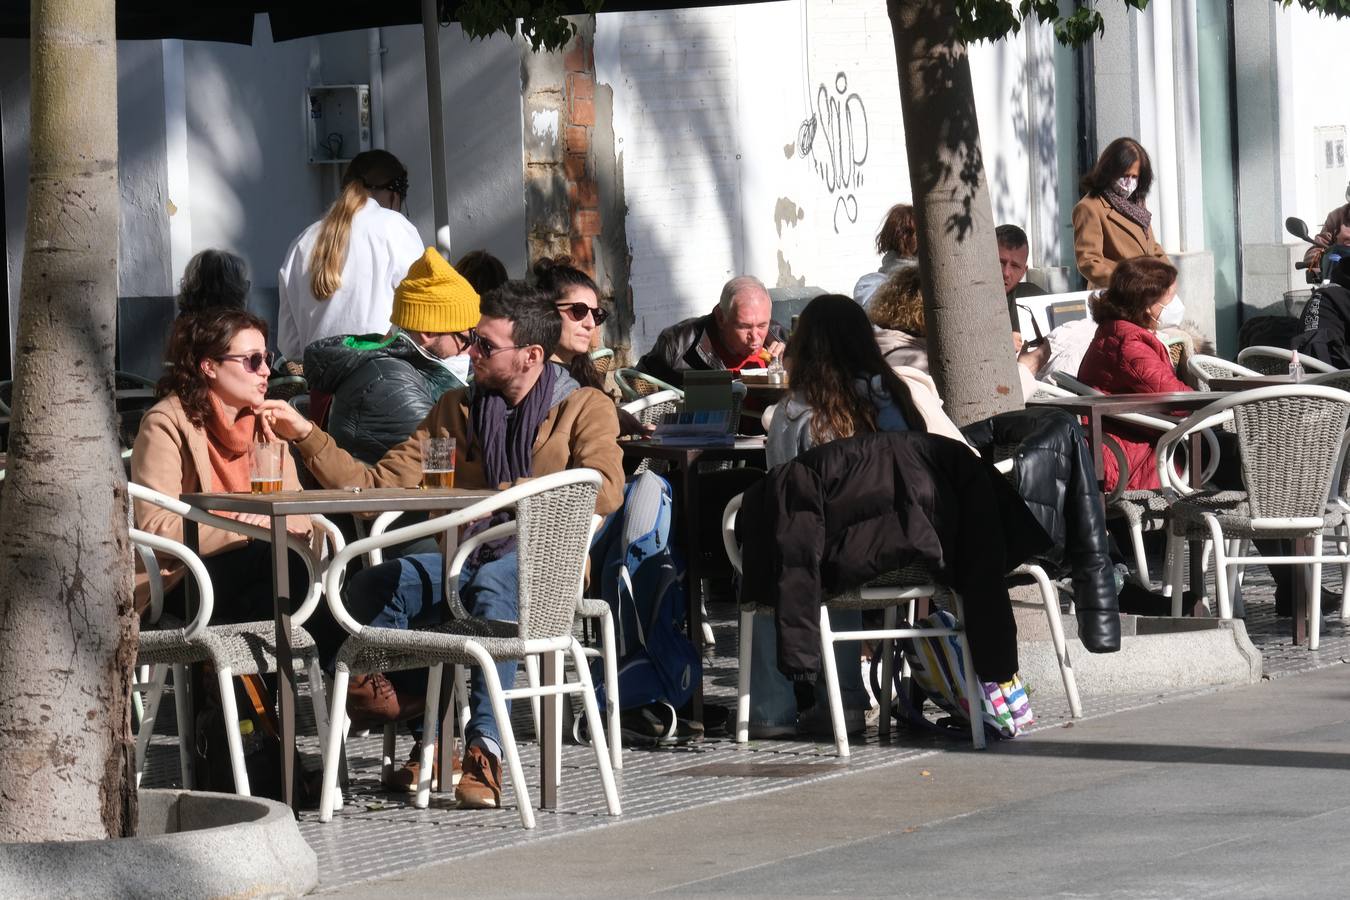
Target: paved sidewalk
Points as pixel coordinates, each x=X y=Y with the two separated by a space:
x=1237 y=793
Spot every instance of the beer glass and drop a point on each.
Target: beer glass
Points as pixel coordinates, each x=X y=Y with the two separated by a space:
x=264 y=469
x=438 y=462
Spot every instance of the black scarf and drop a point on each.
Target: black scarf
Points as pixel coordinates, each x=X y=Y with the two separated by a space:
x=507 y=440
x=1135 y=212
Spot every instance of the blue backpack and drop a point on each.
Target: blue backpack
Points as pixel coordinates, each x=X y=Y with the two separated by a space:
x=642 y=580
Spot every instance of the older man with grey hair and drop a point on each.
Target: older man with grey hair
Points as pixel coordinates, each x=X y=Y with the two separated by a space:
x=738 y=334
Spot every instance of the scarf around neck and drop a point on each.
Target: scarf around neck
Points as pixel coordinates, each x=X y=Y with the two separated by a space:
x=227 y=446
x=1135 y=212
x=506 y=437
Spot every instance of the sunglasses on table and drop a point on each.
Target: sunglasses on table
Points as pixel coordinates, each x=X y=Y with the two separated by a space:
x=578 y=311
x=252 y=362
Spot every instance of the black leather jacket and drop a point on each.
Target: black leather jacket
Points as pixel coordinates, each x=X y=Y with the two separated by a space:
x=1052 y=471
x=688 y=345
x=381 y=391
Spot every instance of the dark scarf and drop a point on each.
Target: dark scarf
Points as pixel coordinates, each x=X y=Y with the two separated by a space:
x=1135 y=212
x=506 y=438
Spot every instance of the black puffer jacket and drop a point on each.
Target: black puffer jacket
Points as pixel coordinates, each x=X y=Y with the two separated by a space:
x=845 y=512
x=1052 y=471
x=1326 y=326
x=381 y=390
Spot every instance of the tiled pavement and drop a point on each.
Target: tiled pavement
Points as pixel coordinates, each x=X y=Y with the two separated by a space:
x=380 y=834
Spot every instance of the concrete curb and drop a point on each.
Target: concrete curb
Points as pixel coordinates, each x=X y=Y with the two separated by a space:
x=1162 y=655
x=191 y=844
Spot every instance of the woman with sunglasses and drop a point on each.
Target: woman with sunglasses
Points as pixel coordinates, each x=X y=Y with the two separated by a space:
x=578 y=300
x=339 y=275
x=197 y=438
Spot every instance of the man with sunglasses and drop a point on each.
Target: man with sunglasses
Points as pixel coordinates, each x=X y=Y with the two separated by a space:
x=523 y=416
x=375 y=389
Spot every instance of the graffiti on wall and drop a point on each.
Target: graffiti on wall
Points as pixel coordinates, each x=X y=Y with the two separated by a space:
x=834 y=137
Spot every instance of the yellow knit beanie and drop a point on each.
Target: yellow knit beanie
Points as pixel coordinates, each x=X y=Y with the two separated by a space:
x=434 y=297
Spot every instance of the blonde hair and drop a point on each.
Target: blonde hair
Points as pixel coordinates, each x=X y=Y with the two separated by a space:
x=372 y=170
x=898 y=303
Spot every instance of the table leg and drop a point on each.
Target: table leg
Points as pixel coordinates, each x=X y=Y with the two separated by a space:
x=550 y=673
x=1196 y=549
x=190 y=601
x=281 y=609
x=445 y=741
x=693 y=571
x=1300 y=585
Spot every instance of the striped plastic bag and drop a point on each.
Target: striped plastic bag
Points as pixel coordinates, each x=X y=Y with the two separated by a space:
x=936 y=665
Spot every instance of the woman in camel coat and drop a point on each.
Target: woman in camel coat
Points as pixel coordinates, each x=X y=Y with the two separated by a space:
x=1111 y=222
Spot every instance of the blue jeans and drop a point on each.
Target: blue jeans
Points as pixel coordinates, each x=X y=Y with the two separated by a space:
x=406 y=593
x=772 y=701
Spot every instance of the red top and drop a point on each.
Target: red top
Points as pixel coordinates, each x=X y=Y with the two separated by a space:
x=1125 y=358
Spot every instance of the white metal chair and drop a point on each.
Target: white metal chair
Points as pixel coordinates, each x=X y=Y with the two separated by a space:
x=1292 y=443
x=237 y=649
x=1203 y=368
x=886 y=593
x=1275 y=361
x=553 y=521
x=650 y=409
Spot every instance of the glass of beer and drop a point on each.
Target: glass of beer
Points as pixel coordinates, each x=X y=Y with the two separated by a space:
x=264 y=467
x=438 y=462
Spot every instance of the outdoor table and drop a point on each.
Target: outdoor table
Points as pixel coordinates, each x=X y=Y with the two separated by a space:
x=349 y=501
x=759 y=388
x=686 y=457
x=1247 y=382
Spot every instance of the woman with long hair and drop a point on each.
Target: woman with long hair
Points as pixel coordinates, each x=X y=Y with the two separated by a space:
x=198 y=438
x=896 y=309
x=339 y=275
x=841 y=386
x=1111 y=222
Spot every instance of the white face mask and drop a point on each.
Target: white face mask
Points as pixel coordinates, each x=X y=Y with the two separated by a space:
x=1172 y=314
x=458 y=366
x=1127 y=184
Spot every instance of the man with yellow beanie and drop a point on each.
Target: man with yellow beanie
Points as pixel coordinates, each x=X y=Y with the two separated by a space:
x=375 y=389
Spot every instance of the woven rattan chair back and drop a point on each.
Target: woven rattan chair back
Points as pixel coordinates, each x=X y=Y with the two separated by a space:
x=1290 y=446
x=553 y=537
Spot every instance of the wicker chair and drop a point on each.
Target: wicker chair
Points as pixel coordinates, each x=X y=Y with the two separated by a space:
x=237 y=649
x=1340 y=380
x=1285 y=493
x=886 y=593
x=634 y=384
x=553 y=521
x=1275 y=361
x=652 y=408
x=1203 y=368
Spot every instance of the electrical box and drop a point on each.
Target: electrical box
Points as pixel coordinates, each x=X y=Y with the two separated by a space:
x=337 y=122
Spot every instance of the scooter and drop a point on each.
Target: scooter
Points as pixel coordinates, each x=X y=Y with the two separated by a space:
x=1333 y=254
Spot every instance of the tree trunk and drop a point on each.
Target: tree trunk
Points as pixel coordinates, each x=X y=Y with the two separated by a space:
x=67 y=628
x=970 y=351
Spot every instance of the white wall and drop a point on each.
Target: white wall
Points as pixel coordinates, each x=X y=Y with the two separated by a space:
x=713 y=110
x=1315 y=44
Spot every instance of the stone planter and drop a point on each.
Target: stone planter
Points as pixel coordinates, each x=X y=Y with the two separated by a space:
x=191 y=844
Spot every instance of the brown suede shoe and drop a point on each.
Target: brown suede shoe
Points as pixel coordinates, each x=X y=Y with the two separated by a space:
x=480 y=787
x=372 y=702
x=404 y=778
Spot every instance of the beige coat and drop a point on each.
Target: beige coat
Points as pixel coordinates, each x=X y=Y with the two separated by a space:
x=170 y=457
x=580 y=432
x=1103 y=237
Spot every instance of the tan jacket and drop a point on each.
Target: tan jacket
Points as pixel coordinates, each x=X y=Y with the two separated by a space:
x=1103 y=237
x=580 y=432
x=170 y=457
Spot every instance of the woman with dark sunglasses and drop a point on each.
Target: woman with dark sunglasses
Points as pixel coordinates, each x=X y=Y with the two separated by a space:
x=577 y=298
x=197 y=438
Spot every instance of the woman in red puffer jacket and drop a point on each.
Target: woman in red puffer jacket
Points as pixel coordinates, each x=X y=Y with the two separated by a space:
x=1126 y=357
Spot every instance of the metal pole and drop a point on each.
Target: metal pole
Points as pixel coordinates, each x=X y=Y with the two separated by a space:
x=431 y=40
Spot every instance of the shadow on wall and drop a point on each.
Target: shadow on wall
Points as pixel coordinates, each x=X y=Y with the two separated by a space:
x=683 y=195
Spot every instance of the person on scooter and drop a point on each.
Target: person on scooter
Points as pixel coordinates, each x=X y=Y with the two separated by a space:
x=1326 y=318
x=1336 y=230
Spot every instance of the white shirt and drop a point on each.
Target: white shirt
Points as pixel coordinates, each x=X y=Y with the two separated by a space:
x=383 y=245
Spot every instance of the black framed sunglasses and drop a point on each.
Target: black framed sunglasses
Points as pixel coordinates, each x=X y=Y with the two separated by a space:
x=578 y=311
x=252 y=362
x=486 y=348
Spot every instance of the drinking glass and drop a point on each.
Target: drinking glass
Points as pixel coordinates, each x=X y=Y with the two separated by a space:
x=264 y=467
x=438 y=462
